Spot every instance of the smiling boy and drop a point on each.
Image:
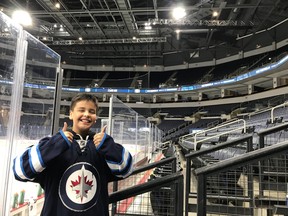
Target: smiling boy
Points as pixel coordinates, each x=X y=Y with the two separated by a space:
x=74 y=166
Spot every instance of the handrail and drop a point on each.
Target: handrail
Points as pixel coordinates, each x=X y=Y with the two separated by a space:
x=153 y=165
x=248 y=139
x=266 y=109
x=244 y=159
x=273 y=108
x=211 y=137
x=212 y=123
x=221 y=146
x=217 y=127
x=230 y=164
x=273 y=129
x=220 y=126
x=210 y=129
x=143 y=188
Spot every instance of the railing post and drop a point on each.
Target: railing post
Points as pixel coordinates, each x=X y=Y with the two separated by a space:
x=260 y=165
x=201 y=195
x=114 y=205
x=179 y=196
x=187 y=184
x=174 y=166
x=250 y=188
x=272 y=111
x=250 y=144
x=250 y=178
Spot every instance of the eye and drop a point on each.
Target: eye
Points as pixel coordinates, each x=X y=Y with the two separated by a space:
x=92 y=111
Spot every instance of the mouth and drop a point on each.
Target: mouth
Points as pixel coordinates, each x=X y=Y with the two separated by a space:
x=86 y=121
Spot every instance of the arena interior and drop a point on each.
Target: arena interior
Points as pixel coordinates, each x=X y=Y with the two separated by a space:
x=200 y=100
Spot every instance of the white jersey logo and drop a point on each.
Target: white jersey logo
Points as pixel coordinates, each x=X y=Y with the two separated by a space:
x=82 y=188
x=79 y=187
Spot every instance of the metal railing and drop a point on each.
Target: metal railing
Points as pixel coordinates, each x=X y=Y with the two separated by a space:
x=173 y=180
x=189 y=157
x=251 y=181
x=246 y=159
x=195 y=135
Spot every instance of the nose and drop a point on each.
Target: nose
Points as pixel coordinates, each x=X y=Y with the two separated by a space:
x=86 y=113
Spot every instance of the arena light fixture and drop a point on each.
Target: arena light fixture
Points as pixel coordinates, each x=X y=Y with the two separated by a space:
x=215 y=14
x=57 y=5
x=178 y=13
x=22 y=17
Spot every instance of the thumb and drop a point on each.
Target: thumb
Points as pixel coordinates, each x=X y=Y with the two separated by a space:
x=65 y=126
x=103 y=130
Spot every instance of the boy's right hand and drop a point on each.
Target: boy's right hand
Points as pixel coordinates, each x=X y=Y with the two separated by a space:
x=67 y=133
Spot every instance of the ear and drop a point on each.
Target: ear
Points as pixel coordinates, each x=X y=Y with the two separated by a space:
x=71 y=115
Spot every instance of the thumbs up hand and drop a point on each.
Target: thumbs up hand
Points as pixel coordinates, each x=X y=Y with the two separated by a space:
x=99 y=136
x=67 y=133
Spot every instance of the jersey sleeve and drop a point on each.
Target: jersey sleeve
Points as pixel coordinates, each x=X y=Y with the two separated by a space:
x=35 y=159
x=118 y=159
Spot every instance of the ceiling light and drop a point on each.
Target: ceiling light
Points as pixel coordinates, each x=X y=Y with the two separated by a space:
x=80 y=38
x=22 y=17
x=178 y=13
x=57 y=5
x=215 y=14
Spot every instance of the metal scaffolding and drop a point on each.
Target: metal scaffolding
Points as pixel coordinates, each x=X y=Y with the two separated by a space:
x=112 y=41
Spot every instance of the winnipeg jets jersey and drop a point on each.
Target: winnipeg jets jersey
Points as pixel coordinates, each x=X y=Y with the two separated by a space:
x=74 y=175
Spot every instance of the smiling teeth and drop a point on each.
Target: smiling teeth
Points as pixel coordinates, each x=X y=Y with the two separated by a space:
x=88 y=121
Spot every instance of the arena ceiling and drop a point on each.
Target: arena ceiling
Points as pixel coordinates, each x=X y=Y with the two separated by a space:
x=135 y=32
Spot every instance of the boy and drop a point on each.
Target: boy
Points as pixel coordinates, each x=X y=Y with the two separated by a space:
x=75 y=166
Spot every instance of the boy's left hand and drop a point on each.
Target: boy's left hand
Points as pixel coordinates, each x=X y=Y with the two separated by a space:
x=99 y=136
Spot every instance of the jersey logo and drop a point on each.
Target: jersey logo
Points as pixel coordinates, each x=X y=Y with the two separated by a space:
x=79 y=187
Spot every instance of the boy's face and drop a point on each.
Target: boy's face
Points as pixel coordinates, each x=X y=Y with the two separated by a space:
x=83 y=116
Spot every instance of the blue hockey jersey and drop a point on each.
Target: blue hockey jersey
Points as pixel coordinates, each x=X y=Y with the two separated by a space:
x=75 y=179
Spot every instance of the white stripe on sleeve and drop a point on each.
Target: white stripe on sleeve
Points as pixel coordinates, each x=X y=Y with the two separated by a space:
x=19 y=169
x=114 y=166
x=128 y=173
x=36 y=159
